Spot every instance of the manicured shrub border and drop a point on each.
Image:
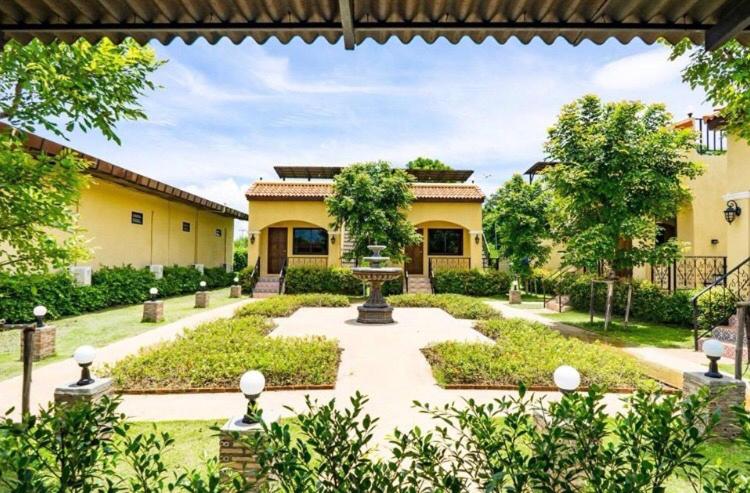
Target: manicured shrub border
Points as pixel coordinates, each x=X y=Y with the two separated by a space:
x=110 y=286
x=473 y=282
x=528 y=353
x=335 y=280
x=285 y=305
x=455 y=304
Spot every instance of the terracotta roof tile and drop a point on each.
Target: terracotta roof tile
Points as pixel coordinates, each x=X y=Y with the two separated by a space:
x=425 y=192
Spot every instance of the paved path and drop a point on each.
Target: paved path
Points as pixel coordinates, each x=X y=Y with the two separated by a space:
x=46 y=378
x=668 y=364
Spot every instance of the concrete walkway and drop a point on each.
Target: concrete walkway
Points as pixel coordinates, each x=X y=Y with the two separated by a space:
x=46 y=378
x=668 y=364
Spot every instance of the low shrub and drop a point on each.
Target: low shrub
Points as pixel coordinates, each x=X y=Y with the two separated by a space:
x=178 y=280
x=473 y=282
x=217 y=277
x=216 y=354
x=716 y=307
x=649 y=303
x=335 y=280
x=286 y=304
x=529 y=353
x=123 y=285
x=457 y=305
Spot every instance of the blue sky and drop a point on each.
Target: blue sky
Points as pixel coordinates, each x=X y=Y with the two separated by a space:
x=227 y=114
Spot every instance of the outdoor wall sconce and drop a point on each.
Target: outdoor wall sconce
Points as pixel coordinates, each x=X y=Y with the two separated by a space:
x=252 y=384
x=732 y=211
x=84 y=356
x=477 y=238
x=566 y=378
x=252 y=239
x=39 y=312
x=333 y=239
x=713 y=350
x=714 y=241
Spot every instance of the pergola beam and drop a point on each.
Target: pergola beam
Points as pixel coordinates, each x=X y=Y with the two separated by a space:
x=730 y=25
x=346 y=12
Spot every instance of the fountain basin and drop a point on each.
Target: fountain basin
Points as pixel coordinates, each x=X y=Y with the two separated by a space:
x=376 y=310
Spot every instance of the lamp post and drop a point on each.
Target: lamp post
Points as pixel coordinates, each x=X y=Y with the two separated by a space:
x=201 y=296
x=39 y=312
x=713 y=350
x=84 y=356
x=567 y=379
x=153 y=292
x=252 y=384
x=202 y=284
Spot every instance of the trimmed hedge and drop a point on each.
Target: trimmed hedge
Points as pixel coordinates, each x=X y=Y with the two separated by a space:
x=473 y=282
x=216 y=354
x=110 y=286
x=335 y=280
x=649 y=303
x=286 y=304
x=527 y=352
x=455 y=304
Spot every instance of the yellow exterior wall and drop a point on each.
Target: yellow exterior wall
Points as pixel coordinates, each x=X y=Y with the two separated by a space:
x=305 y=213
x=738 y=189
x=104 y=215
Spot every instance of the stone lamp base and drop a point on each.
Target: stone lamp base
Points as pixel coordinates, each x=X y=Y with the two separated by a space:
x=153 y=311
x=235 y=291
x=43 y=340
x=202 y=299
x=514 y=297
x=726 y=393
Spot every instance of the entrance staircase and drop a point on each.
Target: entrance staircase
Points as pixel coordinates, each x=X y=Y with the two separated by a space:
x=266 y=286
x=727 y=335
x=419 y=284
x=347 y=245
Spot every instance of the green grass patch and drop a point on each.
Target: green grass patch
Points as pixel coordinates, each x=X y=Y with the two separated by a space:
x=101 y=328
x=637 y=333
x=529 y=352
x=216 y=354
x=458 y=305
x=285 y=305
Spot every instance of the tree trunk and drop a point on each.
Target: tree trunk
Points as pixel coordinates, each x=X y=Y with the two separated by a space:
x=608 y=312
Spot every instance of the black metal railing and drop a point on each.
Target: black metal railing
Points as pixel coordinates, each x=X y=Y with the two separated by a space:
x=405 y=286
x=488 y=261
x=710 y=140
x=307 y=261
x=431 y=277
x=691 y=272
x=550 y=286
x=282 y=276
x=452 y=263
x=715 y=304
x=254 y=276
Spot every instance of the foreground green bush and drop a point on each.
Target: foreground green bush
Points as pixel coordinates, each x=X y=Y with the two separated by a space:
x=457 y=305
x=286 y=304
x=216 y=354
x=473 y=282
x=528 y=353
x=335 y=280
x=110 y=286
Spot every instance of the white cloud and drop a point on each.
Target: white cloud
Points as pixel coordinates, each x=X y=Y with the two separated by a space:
x=641 y=71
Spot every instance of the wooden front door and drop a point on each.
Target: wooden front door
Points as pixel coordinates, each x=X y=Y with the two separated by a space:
x=276 y=249
x=415 y=257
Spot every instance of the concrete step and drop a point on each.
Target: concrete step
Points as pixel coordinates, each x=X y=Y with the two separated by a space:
x=725 y=333
x=268 y=279
x=554 y=304
x=263 y=295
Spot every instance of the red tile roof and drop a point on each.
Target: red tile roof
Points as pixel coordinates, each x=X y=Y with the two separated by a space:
x=424 y=192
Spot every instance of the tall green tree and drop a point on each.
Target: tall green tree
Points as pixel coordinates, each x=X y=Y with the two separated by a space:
x=427 y=164
x=724 y=75
x=622 y=169
x=516 y=214
x=59 y=87
x=371 y=200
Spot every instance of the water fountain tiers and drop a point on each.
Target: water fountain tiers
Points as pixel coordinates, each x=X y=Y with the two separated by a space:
x=376 y=310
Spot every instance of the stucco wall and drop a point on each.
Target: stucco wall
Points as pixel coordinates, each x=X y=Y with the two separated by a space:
x=105 y=216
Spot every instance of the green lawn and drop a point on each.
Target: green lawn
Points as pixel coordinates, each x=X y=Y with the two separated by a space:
x=101 y=328
x=637 y=333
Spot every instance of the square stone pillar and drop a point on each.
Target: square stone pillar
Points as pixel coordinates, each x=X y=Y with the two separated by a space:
x=71 y=393
x=44 y=342
x=726 y=393
x=514 y=297
x=153 y=311
x=235 y=291
x=235 y=455
x=202 y=299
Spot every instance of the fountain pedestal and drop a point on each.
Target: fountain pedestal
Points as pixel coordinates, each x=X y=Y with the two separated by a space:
x=376 y=310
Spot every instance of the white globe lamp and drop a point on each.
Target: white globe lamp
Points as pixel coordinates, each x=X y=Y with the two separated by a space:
x=39 y=312
x=153 y=292
x=566 y=378
x=84 y=356
x=713 y=350
x=252 y=384
x=202 y=284
x=236 y=279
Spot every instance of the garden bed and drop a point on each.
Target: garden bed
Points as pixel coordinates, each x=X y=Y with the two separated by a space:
x=216 y=354
x=457 y=305
x=529 y=353
x=285 y=305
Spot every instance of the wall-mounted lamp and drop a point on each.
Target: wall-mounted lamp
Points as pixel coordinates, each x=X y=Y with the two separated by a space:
x=732 y=211
x=477 y=238
x=333 y=239
x=714 y=241
x=252 y=239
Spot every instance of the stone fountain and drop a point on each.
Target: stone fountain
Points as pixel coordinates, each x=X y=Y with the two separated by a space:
x=376 y=310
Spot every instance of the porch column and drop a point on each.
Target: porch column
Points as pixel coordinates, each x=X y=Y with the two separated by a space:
x=253 y=247
x=738 y=232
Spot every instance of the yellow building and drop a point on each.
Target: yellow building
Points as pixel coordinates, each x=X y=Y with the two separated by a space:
x=289 y=224
x=128 y=218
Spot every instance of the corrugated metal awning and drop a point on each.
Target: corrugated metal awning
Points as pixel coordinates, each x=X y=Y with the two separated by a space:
x=379 y=20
